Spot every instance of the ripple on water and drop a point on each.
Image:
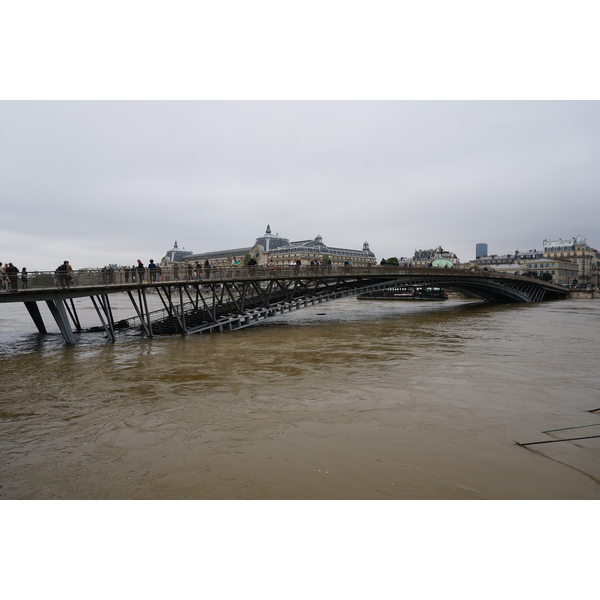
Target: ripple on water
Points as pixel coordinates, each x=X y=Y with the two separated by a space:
x=365 y=401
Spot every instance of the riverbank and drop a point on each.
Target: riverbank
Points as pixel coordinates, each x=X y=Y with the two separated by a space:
x=584 y=295
x=573 y=295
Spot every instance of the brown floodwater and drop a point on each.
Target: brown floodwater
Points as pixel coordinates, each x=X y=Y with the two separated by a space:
x=347 y=400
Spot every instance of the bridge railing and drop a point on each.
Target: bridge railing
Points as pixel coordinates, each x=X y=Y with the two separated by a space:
x=120 y=276
x=123 y=277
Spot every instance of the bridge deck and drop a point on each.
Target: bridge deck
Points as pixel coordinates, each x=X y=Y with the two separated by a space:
x=89 y=282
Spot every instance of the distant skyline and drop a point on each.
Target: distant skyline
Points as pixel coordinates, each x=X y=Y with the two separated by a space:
x=100 y=182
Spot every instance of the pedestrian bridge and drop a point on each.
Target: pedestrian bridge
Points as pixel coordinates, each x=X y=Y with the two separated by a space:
x=219 y=299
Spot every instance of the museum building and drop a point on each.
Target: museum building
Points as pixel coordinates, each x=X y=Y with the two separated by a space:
x=272 y=249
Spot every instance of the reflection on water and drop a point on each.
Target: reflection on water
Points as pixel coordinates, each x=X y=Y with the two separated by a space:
x=368 y=400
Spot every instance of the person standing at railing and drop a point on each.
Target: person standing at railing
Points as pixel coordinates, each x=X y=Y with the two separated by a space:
x=70 y=279
x=158 y=273
x=133 y=272
x=126 y=274
x=176 y=271
x=61 y=275
x=190 y=271
x=24 y=278
x=151 y=271
x=13 y=277
x=207 y=269
x=141 y=270
x=235 y=263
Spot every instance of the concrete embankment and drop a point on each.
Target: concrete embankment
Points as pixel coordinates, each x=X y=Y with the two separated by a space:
x=584 y=295
x=573 y=295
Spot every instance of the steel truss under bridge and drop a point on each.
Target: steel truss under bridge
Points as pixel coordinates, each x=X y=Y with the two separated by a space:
x=525 y=289
x=220 y=305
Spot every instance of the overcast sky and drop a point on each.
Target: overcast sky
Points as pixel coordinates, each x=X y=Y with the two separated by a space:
x=96 y=181
x=113 y=181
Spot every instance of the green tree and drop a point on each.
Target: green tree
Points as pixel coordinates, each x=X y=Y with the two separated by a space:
x=247 y=258
x=325 y=258
x=546 y=276
x=392 y=261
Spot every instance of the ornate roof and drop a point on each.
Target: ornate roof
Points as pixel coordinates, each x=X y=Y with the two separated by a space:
x=276 y=245
x=270 y=242
x=554 y=245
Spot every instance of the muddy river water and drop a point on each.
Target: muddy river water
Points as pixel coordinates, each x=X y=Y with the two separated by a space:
x=347 y=400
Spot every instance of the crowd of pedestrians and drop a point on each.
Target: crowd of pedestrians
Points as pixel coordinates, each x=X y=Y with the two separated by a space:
x=64 y=276
x=10 y=276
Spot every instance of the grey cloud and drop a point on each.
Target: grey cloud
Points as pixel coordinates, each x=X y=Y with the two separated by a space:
x=119 y=181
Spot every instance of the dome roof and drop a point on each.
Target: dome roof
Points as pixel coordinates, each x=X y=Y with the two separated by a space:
x=441 y=263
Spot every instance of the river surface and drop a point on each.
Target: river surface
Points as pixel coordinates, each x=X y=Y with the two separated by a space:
x=347 y=400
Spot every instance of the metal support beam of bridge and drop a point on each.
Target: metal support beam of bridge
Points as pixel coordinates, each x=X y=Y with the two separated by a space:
x=58 y=311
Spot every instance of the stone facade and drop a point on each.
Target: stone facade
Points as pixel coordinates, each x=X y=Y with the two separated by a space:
x=495 y=260
x=424 y=258
x=568 y=261
x=276 y=250
x=561 y=270
x=576 y=251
